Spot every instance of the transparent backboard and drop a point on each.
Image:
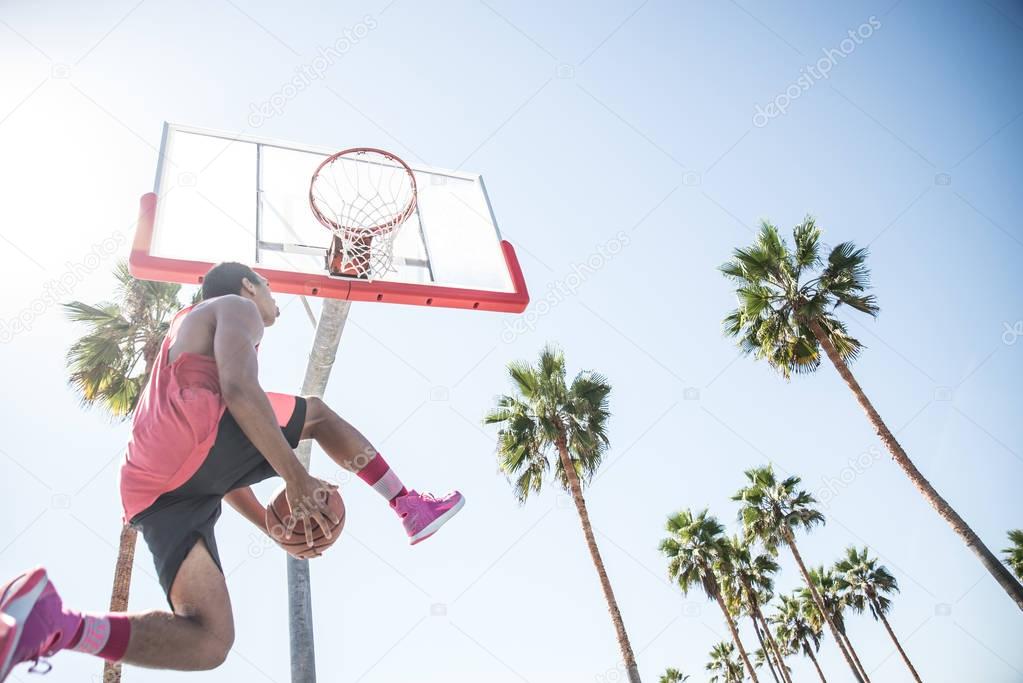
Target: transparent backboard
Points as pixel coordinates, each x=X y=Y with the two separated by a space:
x=227 y=197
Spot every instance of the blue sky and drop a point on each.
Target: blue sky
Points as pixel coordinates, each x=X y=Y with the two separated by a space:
x=589 y=121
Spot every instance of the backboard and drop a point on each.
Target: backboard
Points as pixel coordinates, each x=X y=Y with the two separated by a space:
x=228 y=197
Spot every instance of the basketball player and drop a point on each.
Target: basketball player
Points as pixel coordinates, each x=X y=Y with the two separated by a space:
x=204 y=430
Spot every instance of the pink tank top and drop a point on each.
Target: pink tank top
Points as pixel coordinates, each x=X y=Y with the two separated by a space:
x=174 y=426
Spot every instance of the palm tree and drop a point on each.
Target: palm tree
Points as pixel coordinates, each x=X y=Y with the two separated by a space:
x=770 y=511
x=673 y=676
x=751 y=583
x=109 y=365
x=727 y=668
x=826 y=583
x=864 y=584
x=759 y=656
x=1014 y=553
x=762 y=656
x=697 y=553
x=547 y=414
x=795 y=632
x=787 y=300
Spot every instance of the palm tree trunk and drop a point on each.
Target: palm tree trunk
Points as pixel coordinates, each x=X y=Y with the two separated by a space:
x=773 y=652
x=735 y=637
x=591 y=542
x=774 y=647
x=1001 y=574
x=791 y=541
x=898 y=646
x=129 y=537
x=763 y=647
x=809 y=651
x=300 y=604
x=120 y=591
x=852 y=651
x=755 y=606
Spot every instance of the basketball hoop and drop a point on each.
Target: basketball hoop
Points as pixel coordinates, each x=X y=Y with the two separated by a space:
x=362 y=195
x=415 y=237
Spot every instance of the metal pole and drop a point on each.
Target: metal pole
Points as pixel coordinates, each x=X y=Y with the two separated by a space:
x=300 y=604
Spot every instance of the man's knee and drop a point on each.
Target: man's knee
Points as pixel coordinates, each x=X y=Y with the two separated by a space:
x=316 y=413
x=215 y=648
x=214 y=638
x=199 y=594
x=315 y=407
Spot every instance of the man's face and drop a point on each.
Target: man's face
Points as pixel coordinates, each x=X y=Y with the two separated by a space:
x=264 y=300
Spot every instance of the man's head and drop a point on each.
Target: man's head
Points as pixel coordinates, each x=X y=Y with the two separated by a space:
x=237 y=278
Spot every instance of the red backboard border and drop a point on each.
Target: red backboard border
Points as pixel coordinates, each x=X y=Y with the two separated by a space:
x=145 y=266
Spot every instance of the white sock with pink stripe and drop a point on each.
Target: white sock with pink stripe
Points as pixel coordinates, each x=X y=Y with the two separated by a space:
x=103 y=635
x=378 y=474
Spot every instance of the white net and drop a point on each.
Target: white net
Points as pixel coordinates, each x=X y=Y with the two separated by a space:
x=363 y=196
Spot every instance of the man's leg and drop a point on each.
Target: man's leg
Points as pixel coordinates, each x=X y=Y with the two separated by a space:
x=199 y=633
x=343 y=443
x=350 y=449
x=422 y=515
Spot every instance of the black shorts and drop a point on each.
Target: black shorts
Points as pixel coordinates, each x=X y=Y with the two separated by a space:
x=178 y=518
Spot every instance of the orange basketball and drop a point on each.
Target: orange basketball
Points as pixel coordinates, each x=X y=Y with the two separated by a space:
x=289 y=533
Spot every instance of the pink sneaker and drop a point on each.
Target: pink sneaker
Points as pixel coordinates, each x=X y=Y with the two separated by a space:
x=33 y=624
x=423 y=515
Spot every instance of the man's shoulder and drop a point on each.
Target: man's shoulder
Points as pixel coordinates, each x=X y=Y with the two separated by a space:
x=232 y=306
x=228 y=302
x=232 y=310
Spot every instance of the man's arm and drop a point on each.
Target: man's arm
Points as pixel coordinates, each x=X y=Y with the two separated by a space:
x=248 y=506
x=239 y=328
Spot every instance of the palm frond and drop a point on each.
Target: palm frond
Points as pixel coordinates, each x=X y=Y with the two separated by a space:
x=1014 y=553
x=807 y=240
x=544 y=412
x=109 y=365
x=780 y=293
x=864 y=583
x=770 y=509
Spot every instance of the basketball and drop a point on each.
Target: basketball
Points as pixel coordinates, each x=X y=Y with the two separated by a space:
x=289 y=533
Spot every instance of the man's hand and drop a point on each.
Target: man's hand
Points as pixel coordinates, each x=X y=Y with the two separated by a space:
x=245 y=502
x=307 y=497
x=303 y=554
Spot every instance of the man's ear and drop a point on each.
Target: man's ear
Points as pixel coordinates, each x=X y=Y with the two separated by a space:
x=249 y=286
